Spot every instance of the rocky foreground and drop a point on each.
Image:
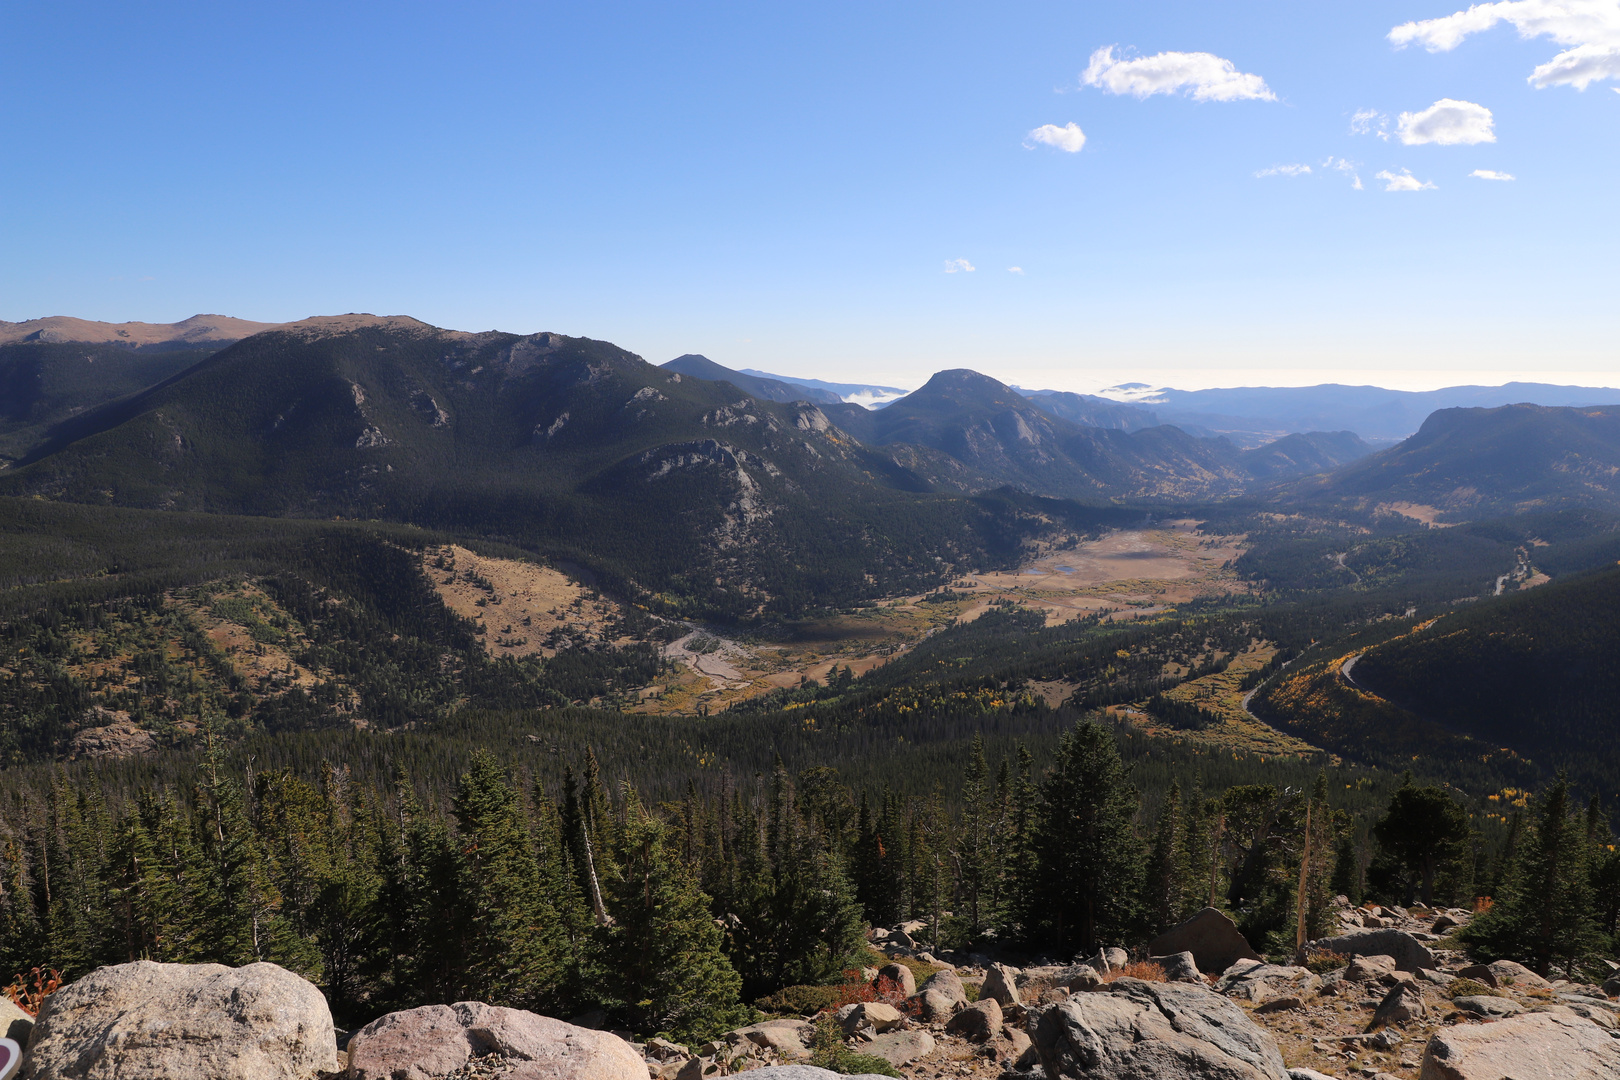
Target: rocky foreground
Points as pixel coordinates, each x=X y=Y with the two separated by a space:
x=1374 y=1001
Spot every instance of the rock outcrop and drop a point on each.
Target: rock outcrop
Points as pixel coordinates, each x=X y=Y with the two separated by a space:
x=1408 y=951
x=1212 y=938
x=184 y=1022
x=1178 y=967
x=900 y=976
x=1135 y=1030
x=978 y=1022
x=1259 y=982
x=1537 y=1046
x=435 y=1041
x=1001 y=983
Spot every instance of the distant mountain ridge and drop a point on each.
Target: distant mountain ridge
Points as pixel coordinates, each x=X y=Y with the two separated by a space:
x=1374 y=413
x=764 y=388
x=1469 y=463
x=869 y=394
x=197 y=330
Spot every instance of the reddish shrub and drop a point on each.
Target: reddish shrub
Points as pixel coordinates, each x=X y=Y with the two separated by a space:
x=30 y=996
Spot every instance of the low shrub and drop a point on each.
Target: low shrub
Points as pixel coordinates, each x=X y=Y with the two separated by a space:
x=1321 y=961
x=829 y=1052
x=1470 y=988
x=799 y=1000
x=1138 y=969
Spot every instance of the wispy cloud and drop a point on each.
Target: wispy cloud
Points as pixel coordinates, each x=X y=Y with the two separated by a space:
x=1370 y=122
x=1019 y=270
x=1202 y=76
x=1069 y=137
x=1589 y=28
x=958 y=266
x=1347 y=167
x=1448 y=122
x=1285 y=170
x=1403 y=181
x=1491 y=174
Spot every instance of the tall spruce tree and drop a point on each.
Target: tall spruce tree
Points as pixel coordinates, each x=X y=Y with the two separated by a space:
x=510 y=941
x=669 y=971
x=1544 y=917
x=1424 y=832
x=1089 y=863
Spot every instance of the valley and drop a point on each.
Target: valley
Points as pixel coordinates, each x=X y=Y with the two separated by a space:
x=360 y=602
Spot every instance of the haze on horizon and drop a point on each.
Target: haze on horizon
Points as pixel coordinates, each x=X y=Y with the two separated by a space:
x=1180 y=194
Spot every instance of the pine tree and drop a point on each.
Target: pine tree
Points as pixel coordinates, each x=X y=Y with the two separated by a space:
x=1088 y=883
x=977 y=850
x=663 y=948
x=1425 y=831
x=245 y=924
x=1544 y=917
x=1166 y=862
x=510 y=942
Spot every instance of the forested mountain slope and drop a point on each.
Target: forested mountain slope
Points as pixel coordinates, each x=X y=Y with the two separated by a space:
x=43 y=383
x=766 y=389
x=681 y=492
x=1538 y=671
x=1472 y=463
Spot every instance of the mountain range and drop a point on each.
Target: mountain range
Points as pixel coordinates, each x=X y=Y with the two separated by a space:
x=762 y=499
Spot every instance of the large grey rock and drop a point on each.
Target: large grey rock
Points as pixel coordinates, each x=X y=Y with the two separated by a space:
x=1001 y=983
x=899 y=1047
x=1509 y=973
x=1212 y=938
x=1537 y=1046
x=1135 y=1030
x=936 y=1007
x=869 y=1016
x=1484 y=1005
x=1110 y=959
x=14 y=1023
x=790 y=1038
x=1084 y=977
x=1369 y=968
x=1408 y=951
x=434 y=1041
x=185 y=1022
x=978 y=1022
x=1178 y=967
x=1260 y=983
x=802 y=1072
x=901 y=976
x=1404 y=1002
x=941 y=997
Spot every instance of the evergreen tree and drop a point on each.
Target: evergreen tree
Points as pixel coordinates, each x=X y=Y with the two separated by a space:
x=669 y=971
x=977 y=852
x=1088 y=885
x=1166 y=865
x=245 y=924
x=1425 y=832
x=1544 y=917
x=510 y=942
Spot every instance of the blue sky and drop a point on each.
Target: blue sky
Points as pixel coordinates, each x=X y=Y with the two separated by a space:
x=785 y=187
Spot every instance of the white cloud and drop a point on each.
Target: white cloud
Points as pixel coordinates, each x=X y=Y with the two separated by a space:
x=1370 y=122
x=1448 y=122
x=1590 y=30
x=1346 y=167
x=1204 y=76
x=1069 y=137
x=958 y=266
x=1285 y=170
x=1491 y=174
x=1403 y=181
x=1019 y=270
